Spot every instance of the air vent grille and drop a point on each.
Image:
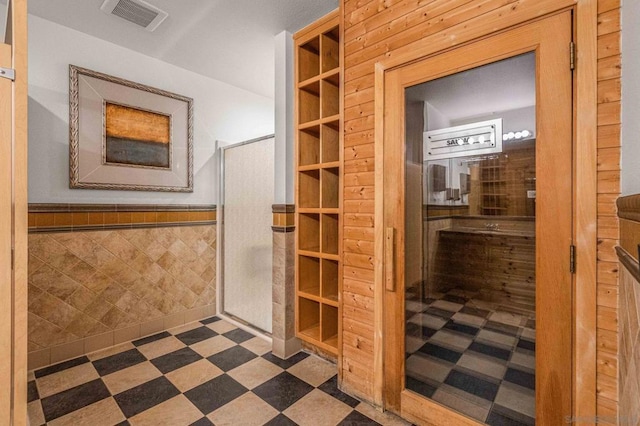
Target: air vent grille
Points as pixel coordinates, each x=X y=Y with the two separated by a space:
x=134 y=12
x=138 y=12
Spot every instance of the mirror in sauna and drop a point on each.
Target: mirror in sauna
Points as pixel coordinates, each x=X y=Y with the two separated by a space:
x=470 y=241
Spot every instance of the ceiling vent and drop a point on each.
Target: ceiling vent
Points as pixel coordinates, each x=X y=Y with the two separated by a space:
x=138 y=12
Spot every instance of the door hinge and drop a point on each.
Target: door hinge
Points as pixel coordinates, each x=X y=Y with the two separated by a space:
x=572 y=259
x=8 y=73
x=572 y=55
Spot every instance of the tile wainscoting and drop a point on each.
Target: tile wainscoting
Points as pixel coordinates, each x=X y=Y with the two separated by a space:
x=629 y=311
x=92 y=288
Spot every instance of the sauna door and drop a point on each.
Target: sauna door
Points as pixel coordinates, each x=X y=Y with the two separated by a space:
x=477 y=231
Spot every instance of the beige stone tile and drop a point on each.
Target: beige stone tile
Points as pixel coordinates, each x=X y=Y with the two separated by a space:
x=478 y=412
x=452 y=340
x=506 y=318
x=484 y=365
x=110 y=351
x=492 y=336
x=247 y=410
x=98 y=342
x=131 y=377
x=212 y=346
x=35 y=414
x=31 y=376
x=161 y=347
x=423 y=368
x=186 y=327
x=517 y=398
x=151 y=327
x=101 y=413
x=194 y=314
x=177 y=411
x=221 y=326
x=38 y=359
x=317 y=409
x=66 y=379
x=257 y=345
x=192 y=375
x=255 y=372
x=524 y=360
x=126 y=334
x=174 y=320
x=386 y=418
x=314 y=370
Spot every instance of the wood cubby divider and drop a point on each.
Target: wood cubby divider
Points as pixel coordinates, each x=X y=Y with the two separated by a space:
x=319 y=183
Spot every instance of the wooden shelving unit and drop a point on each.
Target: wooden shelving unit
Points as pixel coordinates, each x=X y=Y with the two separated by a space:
x=318 y=183
x=494 y=199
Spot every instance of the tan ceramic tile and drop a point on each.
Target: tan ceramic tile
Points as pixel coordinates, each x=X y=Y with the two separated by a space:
x=317 y=408
x=66 y=379
x=192 y=375
x=247 y=410
x=255 y=372
x=31 y=376
x=110 y=351
x=175 y=412
x=186 y=327
x=39 y=358
x=484 y=365
x=424 y=368
x=126 y=334
x=130 y=377
x=386 y=418
x=221 y=326
x=35 y=414
x=161 y=347
x=257 y=345
x=494 y=337
x=67 y=351
x=517 y=398
x=151 y=327
x=102 y=413
x=212 y=346
x=314 y=370
x=477 y=411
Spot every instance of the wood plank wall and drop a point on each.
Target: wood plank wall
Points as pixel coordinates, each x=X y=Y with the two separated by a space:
x=609 y=95
x=378 y=29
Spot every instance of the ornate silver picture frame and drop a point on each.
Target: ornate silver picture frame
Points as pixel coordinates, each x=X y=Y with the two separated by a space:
x=128 y=136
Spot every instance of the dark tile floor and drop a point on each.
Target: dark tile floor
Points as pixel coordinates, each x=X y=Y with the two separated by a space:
x=204 y=373
x=473 y=356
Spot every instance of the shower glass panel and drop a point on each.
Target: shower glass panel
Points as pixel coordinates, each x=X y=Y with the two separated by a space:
x=247 y=243
x=470 y=294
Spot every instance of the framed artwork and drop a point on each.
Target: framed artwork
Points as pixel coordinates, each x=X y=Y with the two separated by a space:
x=128 y=136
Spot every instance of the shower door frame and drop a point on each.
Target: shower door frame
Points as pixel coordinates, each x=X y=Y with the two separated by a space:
x=239 y=322
x=584 y=107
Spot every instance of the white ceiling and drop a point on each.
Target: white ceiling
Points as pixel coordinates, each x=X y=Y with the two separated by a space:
x=501 y=86
x=228 y=40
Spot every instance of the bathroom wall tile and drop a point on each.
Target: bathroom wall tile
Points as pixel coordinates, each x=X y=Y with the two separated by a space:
x=39 y=359
x=98 y=342
x=67 y=351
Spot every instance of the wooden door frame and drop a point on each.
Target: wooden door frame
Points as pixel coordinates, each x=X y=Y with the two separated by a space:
x=13 y=220
x=584 y=189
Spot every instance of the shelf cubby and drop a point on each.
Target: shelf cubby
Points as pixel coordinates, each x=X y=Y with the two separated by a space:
x=309 y=59
x=330 y=142
x=309 y=189
x=309 y=146
x=309 y=104
x=330 y=188
x=330 y=325
x=330 y=46
x=330 y=99
x=330 y=233
x=330 y=270
x=309 y=232
x=310 y=275
x=309 y=318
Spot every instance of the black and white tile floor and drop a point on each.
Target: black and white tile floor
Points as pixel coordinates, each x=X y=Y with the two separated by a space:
x=204 y=373
x=473 y=356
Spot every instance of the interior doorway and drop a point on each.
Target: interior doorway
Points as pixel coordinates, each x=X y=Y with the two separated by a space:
x=478 y=226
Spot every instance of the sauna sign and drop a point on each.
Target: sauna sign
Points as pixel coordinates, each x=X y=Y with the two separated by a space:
x=461 y=141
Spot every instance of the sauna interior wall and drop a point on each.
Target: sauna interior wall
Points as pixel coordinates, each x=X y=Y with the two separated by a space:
x=375 y=30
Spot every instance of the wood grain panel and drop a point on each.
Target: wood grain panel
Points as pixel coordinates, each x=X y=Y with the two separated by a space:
x=609 y=22
x=609 y=67
x=609 y=45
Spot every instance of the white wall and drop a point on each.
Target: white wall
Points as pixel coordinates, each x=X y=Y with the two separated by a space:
x=284 y=146
x=630 y=178
x=221 y=112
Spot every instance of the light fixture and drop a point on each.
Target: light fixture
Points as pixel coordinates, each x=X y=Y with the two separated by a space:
x=471 y=140
x=460 y=142
x=522 y=134
x=481 y=139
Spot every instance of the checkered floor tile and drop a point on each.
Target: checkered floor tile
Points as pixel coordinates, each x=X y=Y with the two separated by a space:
x=473 y=356
x=204 y=373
